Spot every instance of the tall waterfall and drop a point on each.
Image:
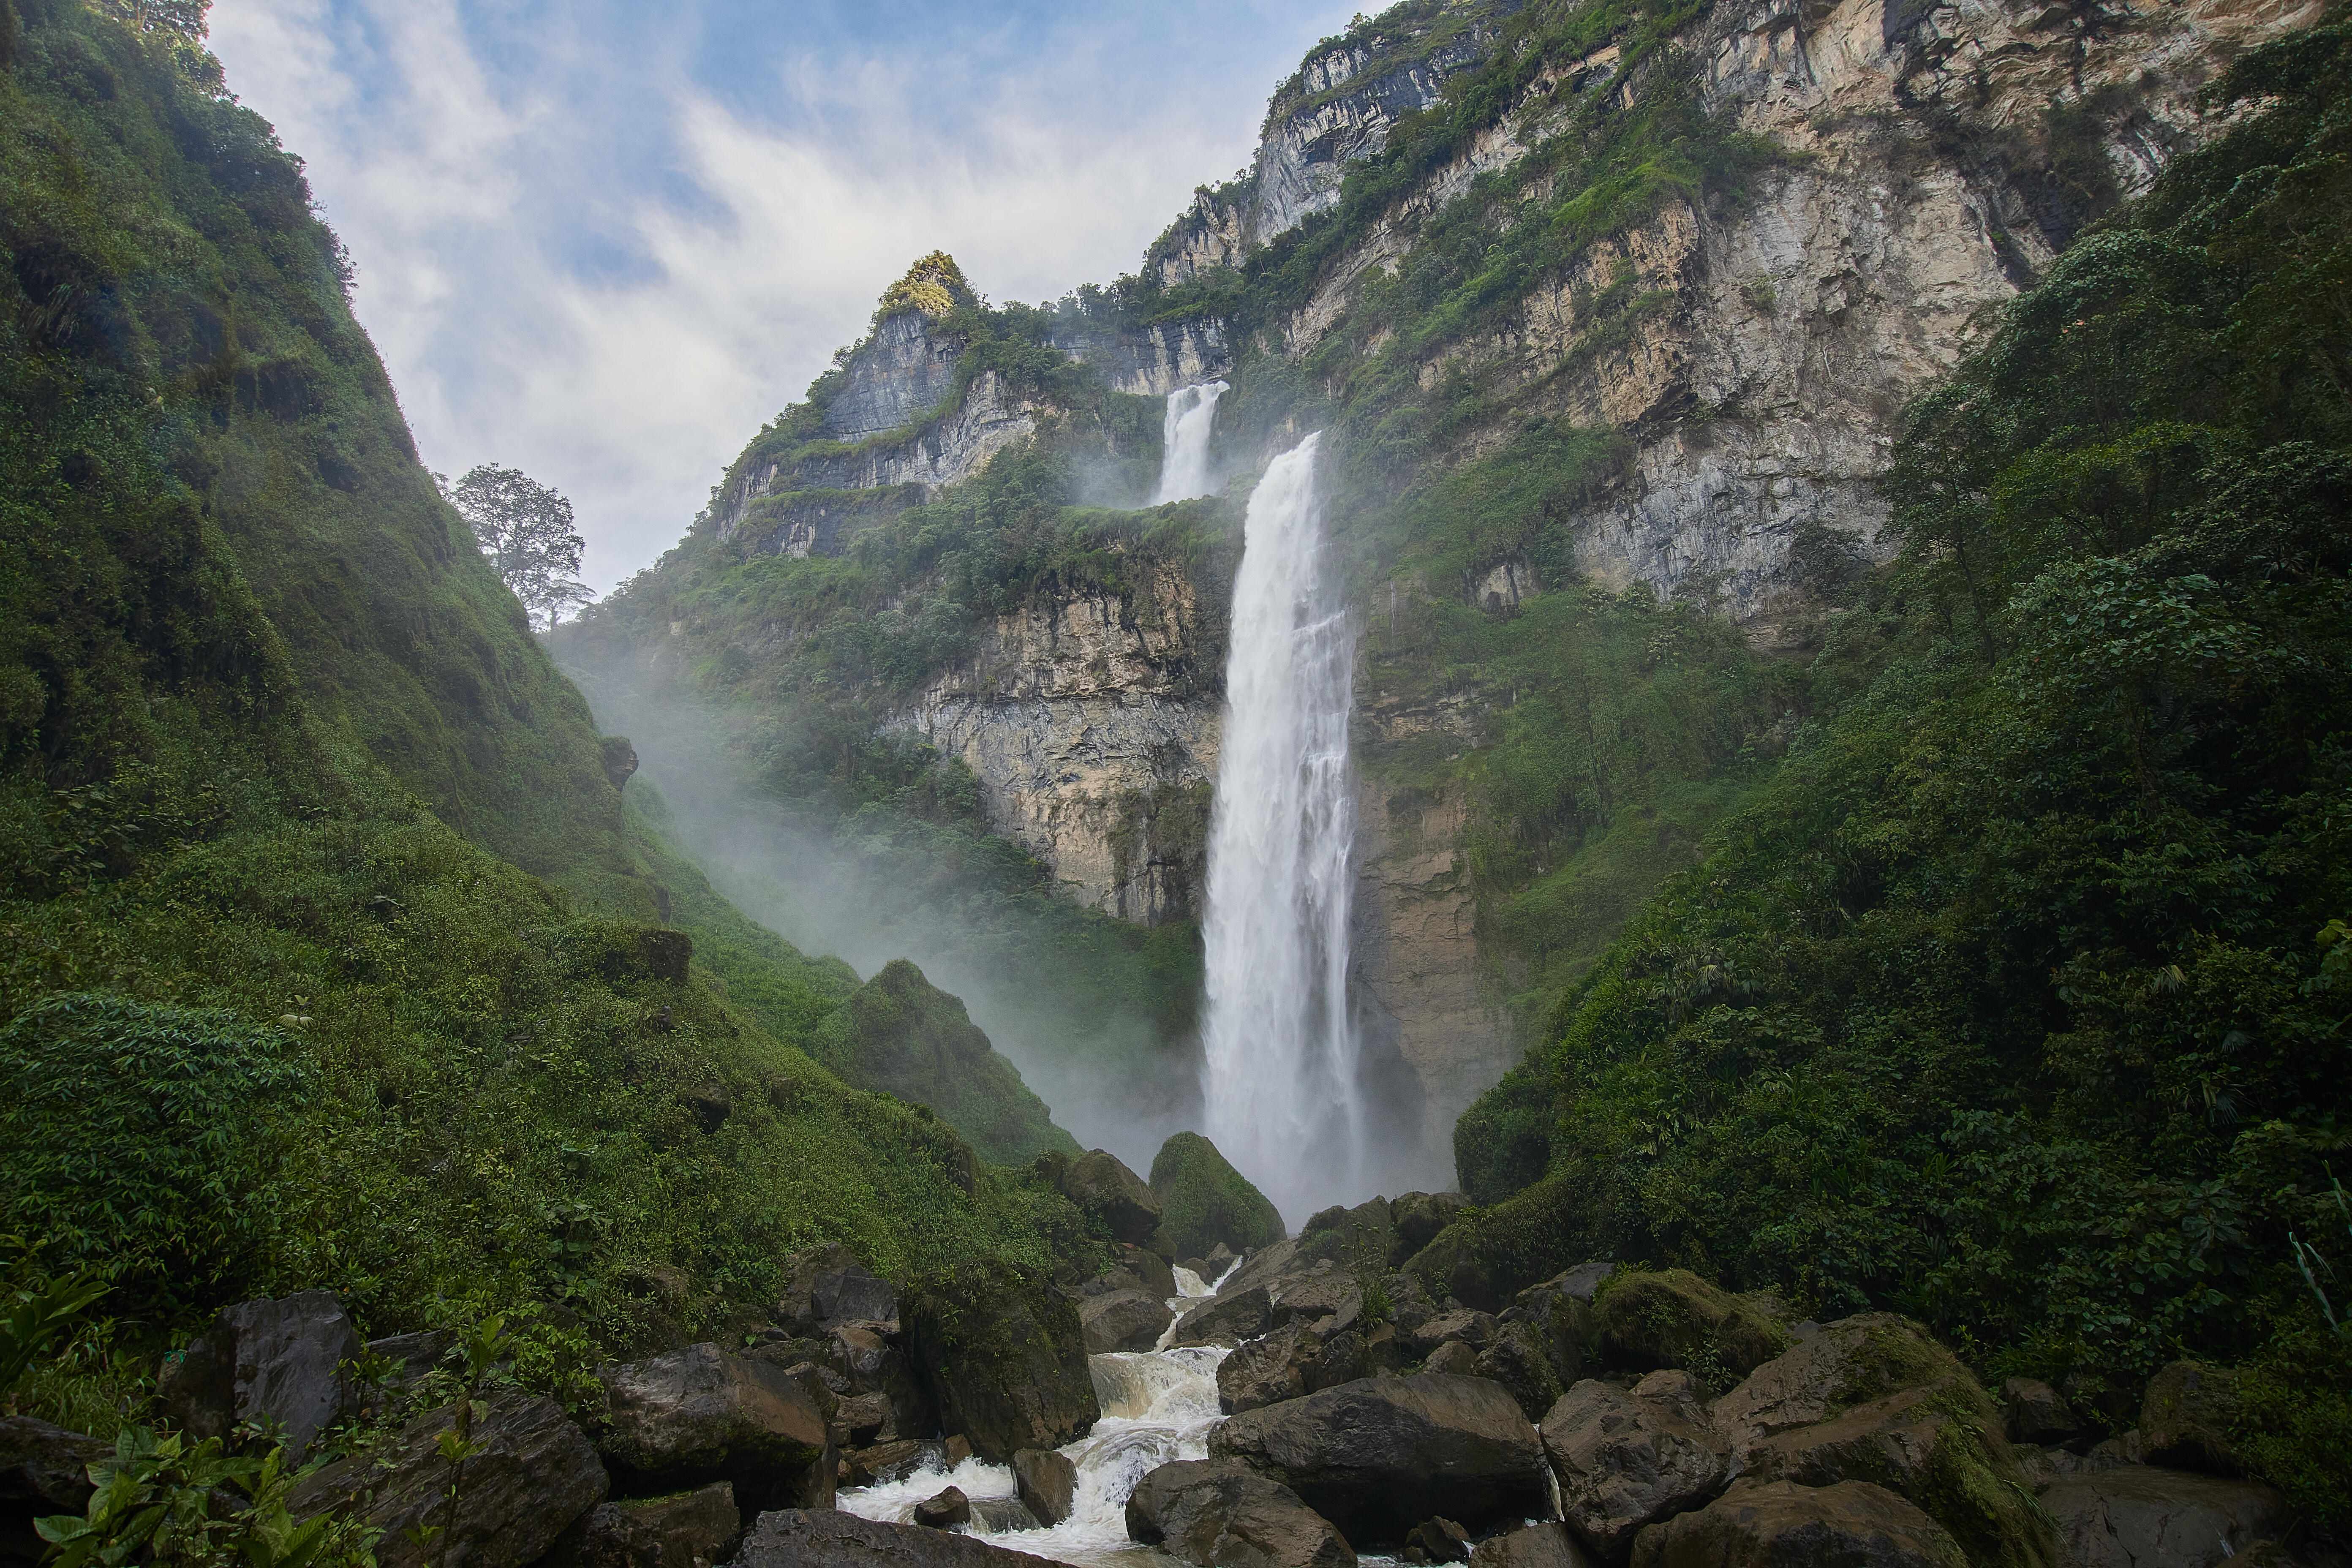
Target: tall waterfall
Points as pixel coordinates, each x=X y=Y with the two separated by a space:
x=1283 y=1100
x=1184 y=442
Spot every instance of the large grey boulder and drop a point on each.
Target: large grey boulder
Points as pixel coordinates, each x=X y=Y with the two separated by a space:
x=1227 y=1319
x=1267 y=1371
x=533 y=1474
x=821 y=1538
x=44 y=1469
x=674 y=1532
x=1218 y=1514
x=279 y=1361
x=2034 y=1411
x=688 y=1417
x=1099 y=1185
x=1547 y=1545
x=1779 y=1524
x=2137 y=1516
x=1625 y=1460
x=1673 y=1318
x=2185 y=1420
x=1122 y=1321
x=1378 y=1456
x=1004 y=1356
x=1519 y=1360
x=1047 y=1482
x=1419 y=1216
x=828 y=1284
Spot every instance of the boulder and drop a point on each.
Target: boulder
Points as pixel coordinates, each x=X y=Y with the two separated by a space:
x=1330 y=1301
x=1875 y=1398
x=1207 y=1205
x=2034 y=1413
x=412 y=1355
x=1419 y=1216
x=2186 y=1418
x=1156 y=1275
x=1476 y=1330
x=1344 y=1358
x=2265 y=1554
x=892 y=1461
x=1378 y=1456
x=1123 y=1320
x=1452 y=1359
x=1779 y=1524
x=2139 y=1516
x=869 y=1360
x=532 y=1475
x=944 y=1510
x=279 y=1361
x=997 y=1515
x=1266 y=1370
x=1517 y=1361
x=1047 y=1482
x=1227 y=1319
x=700 y=1414
x=676 y=1531
x=821 y=1538
x=1437 y=1540
x=1004 y=1357
x=1218 y=1514
x=1103 y=1187
x=1673 y=1318
x=44 y=1469
x=1548 y=1546
x=828 y=1284
x=1563 y=1324
x=1625 y=1460
x=1358 y=1238
x=859 y=1421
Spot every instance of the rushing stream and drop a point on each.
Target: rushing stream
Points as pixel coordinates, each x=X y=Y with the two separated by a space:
x=1157 y=1406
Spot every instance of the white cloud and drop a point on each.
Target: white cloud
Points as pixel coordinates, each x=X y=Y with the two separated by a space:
x=747 y=249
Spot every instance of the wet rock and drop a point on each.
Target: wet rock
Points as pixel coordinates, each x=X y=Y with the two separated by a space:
x=893 y=1461
x=1332 y=1302
x=821 y=1538
x=1123 y=1320
x=532 y=1475
x=1563 y=1324
x=44 y=1469
x=2139 y=1516
x=1419 y=1216
x=871 y=1360
x=1673 y=1318
x=412 y=1355
x=1476 y=1330
x=1548 y=1546
x=269 y=1361
x=1378 y=1456
x=2186 y=1418
x=1517 y=1361
x=1452 y=1359
x=700 y=1415
x=1266 y=1370
x=1227 y=1319
x=1782 y=1525
x=1004 y=1357
x=1047 y=1482
x=1344 y=1358
x=1099 y=1185
x=1218 y=1514
x=944 y=1509
x=1157 y=1276
x=858 y=1422
x=1437 y=1540
x=2034 y=1413
x=1626 y=1460
x=828 y=1283
x=676 y=1531
x=998 y=1515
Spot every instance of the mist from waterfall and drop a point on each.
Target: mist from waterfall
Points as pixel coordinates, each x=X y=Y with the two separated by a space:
x=1184 y=442
x=1280 y=1074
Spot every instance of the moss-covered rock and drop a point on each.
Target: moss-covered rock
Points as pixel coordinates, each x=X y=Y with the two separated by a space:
x=2187 y=1418
x=902 y=1035
x=1673 y=1318
x=1106 y=1190
x=1204 y=1200
x=1003 y=1355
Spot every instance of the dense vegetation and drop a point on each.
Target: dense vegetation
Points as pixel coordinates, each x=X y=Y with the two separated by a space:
x=284 y=998
x=2016 y=1001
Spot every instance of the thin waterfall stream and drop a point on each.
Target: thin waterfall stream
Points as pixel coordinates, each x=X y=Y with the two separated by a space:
x=1157 y=1406
x=1184 y=434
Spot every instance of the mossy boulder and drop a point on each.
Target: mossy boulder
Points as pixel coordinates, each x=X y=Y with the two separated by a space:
x=1204 y=1201
x=2185 y=1420
x=1875 y=1399
x=1004 y=1356
x=900 y=1034
x=1672 y=1318
x=1109 y=1191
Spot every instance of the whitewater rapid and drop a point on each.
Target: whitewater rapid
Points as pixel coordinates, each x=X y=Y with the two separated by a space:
x=1157 y=1406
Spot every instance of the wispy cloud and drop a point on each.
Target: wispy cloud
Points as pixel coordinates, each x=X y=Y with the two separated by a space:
x=605 y=245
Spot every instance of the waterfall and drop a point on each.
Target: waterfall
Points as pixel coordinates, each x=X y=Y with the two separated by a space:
x=1280 y=1079
x=1184 y=442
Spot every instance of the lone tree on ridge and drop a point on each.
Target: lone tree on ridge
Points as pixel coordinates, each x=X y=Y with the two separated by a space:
x=526 y=530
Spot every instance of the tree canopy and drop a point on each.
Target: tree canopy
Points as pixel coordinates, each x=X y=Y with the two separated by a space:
x=525 y=528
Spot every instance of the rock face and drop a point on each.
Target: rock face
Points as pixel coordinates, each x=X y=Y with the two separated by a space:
x=2136 y=1516
x=533 y=1475
x=1153 y=361
x=828 y=1283
x=278 y=1361
x=1122 y=1321
x=2186 y=1417
x=1226 y=1320
x=1225 y=1515
x=801 y=1538
x=1004 y=1358
x=1673 y=1318
x=700 y=1415
x=676 y=1531
x=1625 y=1460
x=44 y=1469
x=1048 y=1482
x=1378 y=1456
x=1099 y=1185
x=1850 y=1525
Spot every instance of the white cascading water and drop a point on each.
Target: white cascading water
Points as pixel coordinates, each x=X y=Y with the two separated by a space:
x=1279 y=1073
x=1184 y=442
x=1157 y=1406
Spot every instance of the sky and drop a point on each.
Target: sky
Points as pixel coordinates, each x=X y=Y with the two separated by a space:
x=605 y=241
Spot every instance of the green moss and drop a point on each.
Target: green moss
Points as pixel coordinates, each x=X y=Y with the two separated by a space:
x=1204 y=1201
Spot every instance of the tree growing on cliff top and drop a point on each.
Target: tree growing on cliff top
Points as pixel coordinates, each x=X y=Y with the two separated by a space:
x=525 y=528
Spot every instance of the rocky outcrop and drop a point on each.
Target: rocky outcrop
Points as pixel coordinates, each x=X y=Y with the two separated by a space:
x=692 y=1417
x=1004 y=1356
x=1047 y=1482
x=1673 y=1318
x=1626 y=1459
x=1206 y=1204
x=44 y=1470
x=1782 y=1525
x=804 y=1538
x=2136 y=1516
x=676 y=1531
x=1152 y=361
x=1122 y=1321
x=1225 y=1515
x=277 y=1362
